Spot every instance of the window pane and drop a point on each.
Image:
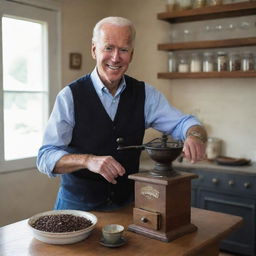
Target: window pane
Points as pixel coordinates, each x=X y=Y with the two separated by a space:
x=23 y=124
x=25 y=89
x=22 y=55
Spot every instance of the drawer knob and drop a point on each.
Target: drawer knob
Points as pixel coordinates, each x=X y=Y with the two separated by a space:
x=247 y=184
x=215 y=181
x=144 y=219
x=231 y=182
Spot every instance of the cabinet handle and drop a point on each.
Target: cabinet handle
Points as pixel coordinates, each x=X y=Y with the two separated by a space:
x=231 y=182
x=144 y=219
x=215 y=181
x=247 y=184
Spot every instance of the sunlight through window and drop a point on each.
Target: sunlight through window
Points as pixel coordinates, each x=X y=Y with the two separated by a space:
x=25 y=89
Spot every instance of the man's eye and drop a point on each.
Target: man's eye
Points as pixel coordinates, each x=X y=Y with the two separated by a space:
x=108 y=48
x=124 y=50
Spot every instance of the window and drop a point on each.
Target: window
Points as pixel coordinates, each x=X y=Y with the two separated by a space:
x=29 y=80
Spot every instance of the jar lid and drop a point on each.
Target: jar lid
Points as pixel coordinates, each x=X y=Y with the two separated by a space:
x=208 y=53
x=221 y=53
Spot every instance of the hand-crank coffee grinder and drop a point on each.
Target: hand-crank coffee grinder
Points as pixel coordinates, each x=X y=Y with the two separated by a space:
x=162 y=196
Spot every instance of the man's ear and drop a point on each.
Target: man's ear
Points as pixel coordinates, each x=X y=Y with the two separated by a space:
x=93 y=50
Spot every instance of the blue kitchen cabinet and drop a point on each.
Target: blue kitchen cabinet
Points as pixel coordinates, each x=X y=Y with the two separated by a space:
x=230 y=190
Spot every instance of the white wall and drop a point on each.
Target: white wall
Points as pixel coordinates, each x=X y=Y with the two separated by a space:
x=225 y=106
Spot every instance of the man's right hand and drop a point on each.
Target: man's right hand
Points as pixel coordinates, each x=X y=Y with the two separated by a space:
x=106 y=166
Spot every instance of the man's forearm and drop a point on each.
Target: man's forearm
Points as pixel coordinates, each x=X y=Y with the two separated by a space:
x=70 y=163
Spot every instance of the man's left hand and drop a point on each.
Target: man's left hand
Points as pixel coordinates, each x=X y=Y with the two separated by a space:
x=194 y=149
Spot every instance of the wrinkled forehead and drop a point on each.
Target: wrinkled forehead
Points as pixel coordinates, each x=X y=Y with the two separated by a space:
x=114 y=34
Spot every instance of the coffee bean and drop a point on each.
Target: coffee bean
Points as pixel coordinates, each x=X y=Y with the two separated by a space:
x=61 y=223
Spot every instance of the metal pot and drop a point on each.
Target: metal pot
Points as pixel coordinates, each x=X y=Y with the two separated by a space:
x=162 y=151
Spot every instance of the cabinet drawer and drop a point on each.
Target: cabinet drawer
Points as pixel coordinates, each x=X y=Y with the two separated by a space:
x=146 y=218
x=237 y=183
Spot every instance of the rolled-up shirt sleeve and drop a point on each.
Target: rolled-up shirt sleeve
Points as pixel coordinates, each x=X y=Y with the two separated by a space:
x=162 y=116
x=58 y=133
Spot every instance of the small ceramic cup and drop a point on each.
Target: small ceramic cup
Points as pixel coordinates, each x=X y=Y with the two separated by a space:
x=112 y=233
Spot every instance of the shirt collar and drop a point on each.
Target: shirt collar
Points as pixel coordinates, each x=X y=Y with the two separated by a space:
x=100 y=87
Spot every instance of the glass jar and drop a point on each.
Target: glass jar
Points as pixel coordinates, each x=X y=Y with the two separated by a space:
x=183 y=64
x=254 y=61
x=214 y=2
x=198 y=4
x=171 y=5
x=213 y=148
x=208 y=63
x=185 y=4
x=222 y=61
x=187 y=35
x=234 y=62
x=247 y=62
x=195 y=63
x=171 y=62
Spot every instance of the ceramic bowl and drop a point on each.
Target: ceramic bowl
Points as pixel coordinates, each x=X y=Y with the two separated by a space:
x=64 y=237
x=112 y=233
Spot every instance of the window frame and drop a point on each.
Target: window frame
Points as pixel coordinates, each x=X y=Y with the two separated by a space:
x=47 y=11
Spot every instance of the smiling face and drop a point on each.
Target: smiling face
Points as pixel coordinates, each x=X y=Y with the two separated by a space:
x=113 y=53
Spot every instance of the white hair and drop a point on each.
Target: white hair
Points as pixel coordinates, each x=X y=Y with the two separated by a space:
x=118 y=21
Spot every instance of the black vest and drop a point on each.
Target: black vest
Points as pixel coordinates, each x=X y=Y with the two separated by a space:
x=95 y=133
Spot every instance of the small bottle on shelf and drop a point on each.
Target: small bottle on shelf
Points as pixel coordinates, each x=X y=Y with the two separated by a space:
x=185 y=4
x=214 y=2
x=171 y=5
x=208 y=63
x=247 y=62
x=171 y=62
x=183 y=64
x=234 y=62
x=222 y=61
x=198 y=4
x=195 y=63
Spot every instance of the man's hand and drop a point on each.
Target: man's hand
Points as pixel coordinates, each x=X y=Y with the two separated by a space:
x=194 y=149
x=195 y=144
x=106 y=166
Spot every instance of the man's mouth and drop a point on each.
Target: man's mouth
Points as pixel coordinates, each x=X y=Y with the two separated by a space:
x=113 y=67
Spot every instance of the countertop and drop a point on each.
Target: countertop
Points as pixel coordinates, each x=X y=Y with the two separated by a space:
x=148 y=164
x=17 y=240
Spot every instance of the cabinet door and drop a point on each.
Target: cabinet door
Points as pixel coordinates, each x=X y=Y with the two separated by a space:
x=193 y=197
x=241 y=240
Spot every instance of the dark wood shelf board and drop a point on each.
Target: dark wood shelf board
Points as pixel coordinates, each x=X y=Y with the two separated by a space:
x=237 y=42
x=211 y=12
x=215 y=74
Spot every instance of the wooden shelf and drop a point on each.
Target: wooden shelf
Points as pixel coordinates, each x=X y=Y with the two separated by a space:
x=237 y=42
x=210 y=12
x=224 y=74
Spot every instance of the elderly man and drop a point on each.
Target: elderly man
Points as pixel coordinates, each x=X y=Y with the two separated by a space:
x=92 y=112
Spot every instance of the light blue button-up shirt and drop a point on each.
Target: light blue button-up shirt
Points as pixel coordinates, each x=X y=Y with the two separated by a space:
x=159 y=114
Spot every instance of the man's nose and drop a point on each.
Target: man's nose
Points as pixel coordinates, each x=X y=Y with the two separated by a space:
x=115 y=55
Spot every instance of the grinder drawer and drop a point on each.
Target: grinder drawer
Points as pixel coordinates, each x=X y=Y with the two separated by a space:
x=146 y=218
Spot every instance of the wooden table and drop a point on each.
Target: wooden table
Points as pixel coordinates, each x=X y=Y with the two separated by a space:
x=16 y=239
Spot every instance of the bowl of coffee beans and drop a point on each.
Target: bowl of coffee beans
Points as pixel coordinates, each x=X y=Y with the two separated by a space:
x=62 y=226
